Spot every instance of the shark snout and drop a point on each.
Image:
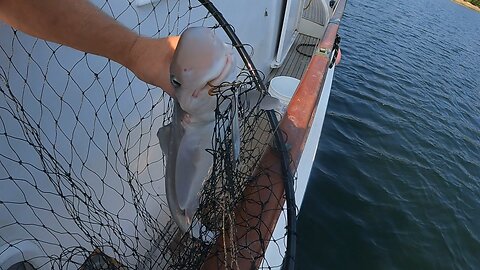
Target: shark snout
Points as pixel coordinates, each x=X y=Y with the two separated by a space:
x=218 y=80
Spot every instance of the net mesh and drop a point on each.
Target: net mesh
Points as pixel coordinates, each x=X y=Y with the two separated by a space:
x=82 y=175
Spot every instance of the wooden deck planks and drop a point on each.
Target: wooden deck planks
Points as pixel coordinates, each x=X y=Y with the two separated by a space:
x=295 y=63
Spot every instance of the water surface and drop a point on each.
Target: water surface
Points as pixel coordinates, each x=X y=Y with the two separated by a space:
x=396 y=180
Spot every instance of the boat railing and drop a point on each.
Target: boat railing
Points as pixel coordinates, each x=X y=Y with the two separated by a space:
x=82 y=173
x=264 y=198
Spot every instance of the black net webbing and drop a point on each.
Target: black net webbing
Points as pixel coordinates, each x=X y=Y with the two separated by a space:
x=82 y=174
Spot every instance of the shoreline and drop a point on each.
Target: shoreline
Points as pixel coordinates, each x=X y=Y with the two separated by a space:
x=467 y=4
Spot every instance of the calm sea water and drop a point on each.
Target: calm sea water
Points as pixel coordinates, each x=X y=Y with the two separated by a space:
x=396 y=180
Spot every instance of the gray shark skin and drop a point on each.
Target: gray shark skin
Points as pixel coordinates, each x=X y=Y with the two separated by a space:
x=201 y=60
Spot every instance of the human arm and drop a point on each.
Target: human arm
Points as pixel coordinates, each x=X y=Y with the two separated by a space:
x=80 y=25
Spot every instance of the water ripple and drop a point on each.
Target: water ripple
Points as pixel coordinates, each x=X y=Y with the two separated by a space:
x=395 y=184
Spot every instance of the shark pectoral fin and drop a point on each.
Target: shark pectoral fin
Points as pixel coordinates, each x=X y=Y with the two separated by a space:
x=269 y=103
x=252 y=97
x=164 y=134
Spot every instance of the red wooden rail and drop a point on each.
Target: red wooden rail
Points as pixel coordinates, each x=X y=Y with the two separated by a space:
x=257 y=215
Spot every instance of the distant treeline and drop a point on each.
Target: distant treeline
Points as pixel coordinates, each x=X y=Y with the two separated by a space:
x=475 y=2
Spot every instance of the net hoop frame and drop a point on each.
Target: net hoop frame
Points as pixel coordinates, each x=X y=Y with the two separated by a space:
x=293 y=130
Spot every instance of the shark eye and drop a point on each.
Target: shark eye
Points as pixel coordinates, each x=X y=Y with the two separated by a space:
x=174 y=82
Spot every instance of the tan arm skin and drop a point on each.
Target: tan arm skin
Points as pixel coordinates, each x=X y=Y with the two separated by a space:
x=81 y=25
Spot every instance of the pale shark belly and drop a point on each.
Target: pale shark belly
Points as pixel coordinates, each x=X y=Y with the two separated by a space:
x=193 y=165
x=188 y=165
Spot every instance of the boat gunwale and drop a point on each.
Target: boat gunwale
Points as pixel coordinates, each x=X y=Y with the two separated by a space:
x=257 y=214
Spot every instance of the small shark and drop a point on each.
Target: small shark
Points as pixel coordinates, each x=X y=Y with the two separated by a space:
x=201 y=62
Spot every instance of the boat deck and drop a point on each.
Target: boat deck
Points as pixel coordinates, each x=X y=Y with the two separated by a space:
x=297 y=58
x=302 y=49
x=313 y=12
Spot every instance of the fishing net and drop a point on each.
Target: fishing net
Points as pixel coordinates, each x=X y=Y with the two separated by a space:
x=82 y=174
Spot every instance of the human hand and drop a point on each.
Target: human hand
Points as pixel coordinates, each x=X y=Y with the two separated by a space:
x=150 y=60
